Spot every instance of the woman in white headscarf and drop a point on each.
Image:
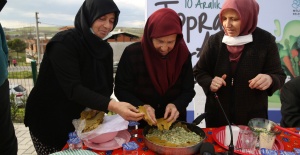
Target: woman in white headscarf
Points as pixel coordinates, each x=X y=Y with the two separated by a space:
x=241 y=65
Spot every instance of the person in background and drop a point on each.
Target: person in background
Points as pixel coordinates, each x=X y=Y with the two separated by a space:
x=290 y=103
x=8 y=139
x=157 y=72
x=240 y=65
x=76 y=72
x=14 y=61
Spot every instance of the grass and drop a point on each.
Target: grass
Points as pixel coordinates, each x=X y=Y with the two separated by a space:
x=17 y=112
x=20 y=57
x=25 y=31
x=21 y=61
x=19 y=116
x=20 y=75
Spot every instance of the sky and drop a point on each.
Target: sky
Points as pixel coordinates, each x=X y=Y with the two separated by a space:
x=21 y=13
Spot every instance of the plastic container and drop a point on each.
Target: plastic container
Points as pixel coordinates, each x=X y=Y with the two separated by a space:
x=248 y=139
x=132 y=128
x=235 y=134
x=75 y=143
x=266 y=140
x=130 y=148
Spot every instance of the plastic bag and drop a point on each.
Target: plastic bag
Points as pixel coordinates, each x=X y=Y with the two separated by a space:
x=110 y=124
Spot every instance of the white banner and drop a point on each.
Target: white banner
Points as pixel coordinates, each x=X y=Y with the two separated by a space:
x=200 y=20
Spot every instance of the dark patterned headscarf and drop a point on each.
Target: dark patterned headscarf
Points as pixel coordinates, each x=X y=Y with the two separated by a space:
x=2 y=4
x=100 y=50
x=87 y=14
x=164 y=70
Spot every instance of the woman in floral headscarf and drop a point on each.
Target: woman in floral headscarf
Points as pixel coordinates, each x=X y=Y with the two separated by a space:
x=241 y=65
x=157 y=72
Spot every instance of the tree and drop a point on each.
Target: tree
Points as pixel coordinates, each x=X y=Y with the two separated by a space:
x=17 y=45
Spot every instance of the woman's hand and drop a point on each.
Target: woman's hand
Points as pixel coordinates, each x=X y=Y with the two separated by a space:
x=171 y=113
x=125 y=110
x=217 y=83
x=151 y=113
x=261 y=82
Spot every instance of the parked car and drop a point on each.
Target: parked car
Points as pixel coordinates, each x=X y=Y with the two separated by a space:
x=19 y=92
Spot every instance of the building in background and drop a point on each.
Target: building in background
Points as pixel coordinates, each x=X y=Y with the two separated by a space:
x=118 y=40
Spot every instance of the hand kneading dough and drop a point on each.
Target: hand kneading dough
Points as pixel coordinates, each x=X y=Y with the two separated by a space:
x=162 y=124
x=143 y=110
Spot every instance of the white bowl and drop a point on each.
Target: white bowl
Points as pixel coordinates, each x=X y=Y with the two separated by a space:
x=104 y=137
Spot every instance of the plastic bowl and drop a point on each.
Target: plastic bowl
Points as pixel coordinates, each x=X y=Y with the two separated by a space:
x=266 y=130
x=104 y=137
x=257 y=125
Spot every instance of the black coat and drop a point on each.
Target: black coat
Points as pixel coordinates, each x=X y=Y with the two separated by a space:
x=290 y=103
x=66 y=85
x=239 y=101
x=133 y=84
x=76 y=72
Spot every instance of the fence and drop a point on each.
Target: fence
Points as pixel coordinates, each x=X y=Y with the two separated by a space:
x=23 y=74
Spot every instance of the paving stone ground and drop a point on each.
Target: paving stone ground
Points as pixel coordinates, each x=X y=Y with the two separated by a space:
x=25 y=145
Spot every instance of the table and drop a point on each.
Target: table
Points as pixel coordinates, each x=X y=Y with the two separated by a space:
x=289 y=141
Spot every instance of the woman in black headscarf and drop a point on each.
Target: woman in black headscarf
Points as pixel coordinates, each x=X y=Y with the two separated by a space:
x=76 y=72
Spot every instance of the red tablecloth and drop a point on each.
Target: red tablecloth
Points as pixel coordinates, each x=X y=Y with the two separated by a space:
x=289 y=141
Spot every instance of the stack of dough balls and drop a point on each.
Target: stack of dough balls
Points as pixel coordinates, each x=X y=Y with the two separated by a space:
x=93 y=119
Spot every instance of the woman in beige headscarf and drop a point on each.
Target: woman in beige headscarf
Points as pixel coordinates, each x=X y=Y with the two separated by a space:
x=241 y=64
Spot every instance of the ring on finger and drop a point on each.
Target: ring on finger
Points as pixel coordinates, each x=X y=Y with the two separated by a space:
x=217 y=85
